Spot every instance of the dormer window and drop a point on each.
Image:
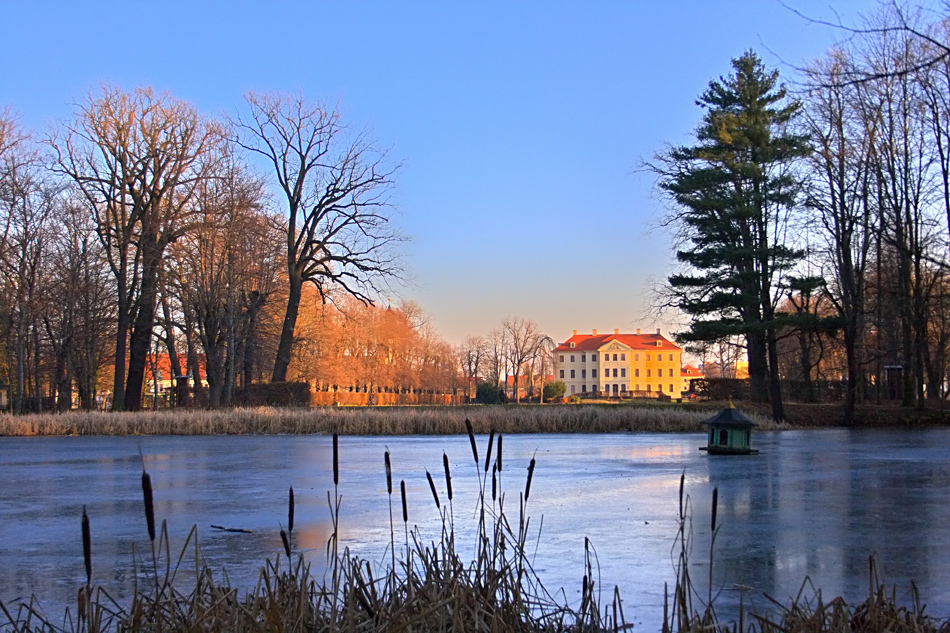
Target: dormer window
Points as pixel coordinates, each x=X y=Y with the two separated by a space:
x=572 y=345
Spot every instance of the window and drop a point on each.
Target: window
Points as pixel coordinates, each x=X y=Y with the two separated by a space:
x=648 y=388
x=562 y=373
x=615 y=358
x=635 y=357
x=671 y=373
x=636 y=372
x=562 y=358
x=572 y=373
x=583 y=358
x=615 y=374
x=615 y=389
x=584 y=373
x=623 y=388
x=572 y=358
x=648 y=357
x=671 y=388
x=648 y=373
x=607 y=388
x=593 y=373
x=583 y=388
x=573 y=388
x=623 y=357
x=593 y=358
x=671 y=357
x=623 y=372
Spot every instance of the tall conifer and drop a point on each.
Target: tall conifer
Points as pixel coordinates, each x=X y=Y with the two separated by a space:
x=734 y=191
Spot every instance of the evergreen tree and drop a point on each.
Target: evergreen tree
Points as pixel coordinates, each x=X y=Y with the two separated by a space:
x=734 y=191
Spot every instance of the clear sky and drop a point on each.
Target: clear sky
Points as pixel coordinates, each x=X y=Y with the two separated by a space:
x=520 y=124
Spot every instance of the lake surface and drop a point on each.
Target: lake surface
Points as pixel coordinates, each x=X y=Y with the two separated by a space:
x=812 y=504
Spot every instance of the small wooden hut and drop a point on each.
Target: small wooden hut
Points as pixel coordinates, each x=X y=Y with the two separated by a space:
x=730 y=433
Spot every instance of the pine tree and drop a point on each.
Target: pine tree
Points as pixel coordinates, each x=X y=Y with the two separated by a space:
x=734 y=191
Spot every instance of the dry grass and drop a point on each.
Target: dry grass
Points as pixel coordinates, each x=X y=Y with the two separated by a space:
x=370 y=421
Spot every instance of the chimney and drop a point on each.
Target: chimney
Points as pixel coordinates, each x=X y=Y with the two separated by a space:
x=616 y=332
x=658 y=331
x=638 y=331
x=575 y=333
x=595 y=333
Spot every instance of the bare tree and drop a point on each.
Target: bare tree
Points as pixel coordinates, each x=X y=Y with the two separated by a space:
x=472 y=353
x=79 y=312
x=339 y=230
x=135 y=157
x=841 y=190
x=226 y=207
x=26 y=207
x=524 y=340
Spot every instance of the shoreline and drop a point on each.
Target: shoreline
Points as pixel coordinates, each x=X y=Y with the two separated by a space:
x=450 y=420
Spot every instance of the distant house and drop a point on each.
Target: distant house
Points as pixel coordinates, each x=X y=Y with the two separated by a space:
x=689 y=373
x=621 y=365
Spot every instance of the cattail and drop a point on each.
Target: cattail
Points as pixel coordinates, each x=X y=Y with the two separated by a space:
x=87 y=546
x=435 y=495
x=286 y=542
x=405 y=508
x=290 y=512
x=491 y=440
x=527 y=488
x=336 y=459
x=494 y=483
x=448 y=474
x=682 y=484
x=715 y=507
x=584 y=594
x=389 y=474
x=471 y=438
x=149 y=504
x=498 y=458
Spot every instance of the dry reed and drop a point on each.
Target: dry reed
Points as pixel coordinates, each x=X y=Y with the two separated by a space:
x=370 y=421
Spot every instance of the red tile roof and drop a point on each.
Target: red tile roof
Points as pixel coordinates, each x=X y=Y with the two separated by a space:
x=689 y=370
x=591 y=343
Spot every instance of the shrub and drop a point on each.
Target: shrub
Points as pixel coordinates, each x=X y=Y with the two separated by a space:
x=487 y=393
x=554 y=390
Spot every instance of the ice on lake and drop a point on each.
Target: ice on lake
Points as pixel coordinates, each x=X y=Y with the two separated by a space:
x=812 y=504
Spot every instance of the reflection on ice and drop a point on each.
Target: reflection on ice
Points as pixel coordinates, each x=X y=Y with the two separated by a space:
x=812 y=503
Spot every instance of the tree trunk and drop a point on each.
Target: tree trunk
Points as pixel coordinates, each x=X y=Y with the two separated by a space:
x=850 y=349
x=121 y=334
x=756 y=350
x=285 y=347
x=775 y=382
x=174 y=364
x=140 y=339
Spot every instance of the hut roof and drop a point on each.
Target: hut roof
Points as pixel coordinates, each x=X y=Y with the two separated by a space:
x=730 y=417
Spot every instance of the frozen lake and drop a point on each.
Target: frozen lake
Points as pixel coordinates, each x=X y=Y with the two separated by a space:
x=812 y=503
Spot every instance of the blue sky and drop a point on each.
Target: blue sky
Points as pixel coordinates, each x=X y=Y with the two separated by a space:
x=520 y=125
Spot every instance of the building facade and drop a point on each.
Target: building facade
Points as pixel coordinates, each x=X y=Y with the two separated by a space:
x=620 y=365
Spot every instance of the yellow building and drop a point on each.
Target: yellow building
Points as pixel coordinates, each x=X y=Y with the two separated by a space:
x=620 y=365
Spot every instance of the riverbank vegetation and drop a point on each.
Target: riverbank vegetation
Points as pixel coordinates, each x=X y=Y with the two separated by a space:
x=369 y=420
x=431 y=587
x=450 y=420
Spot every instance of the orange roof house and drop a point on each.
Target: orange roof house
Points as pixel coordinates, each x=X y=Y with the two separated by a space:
x=620 y=365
